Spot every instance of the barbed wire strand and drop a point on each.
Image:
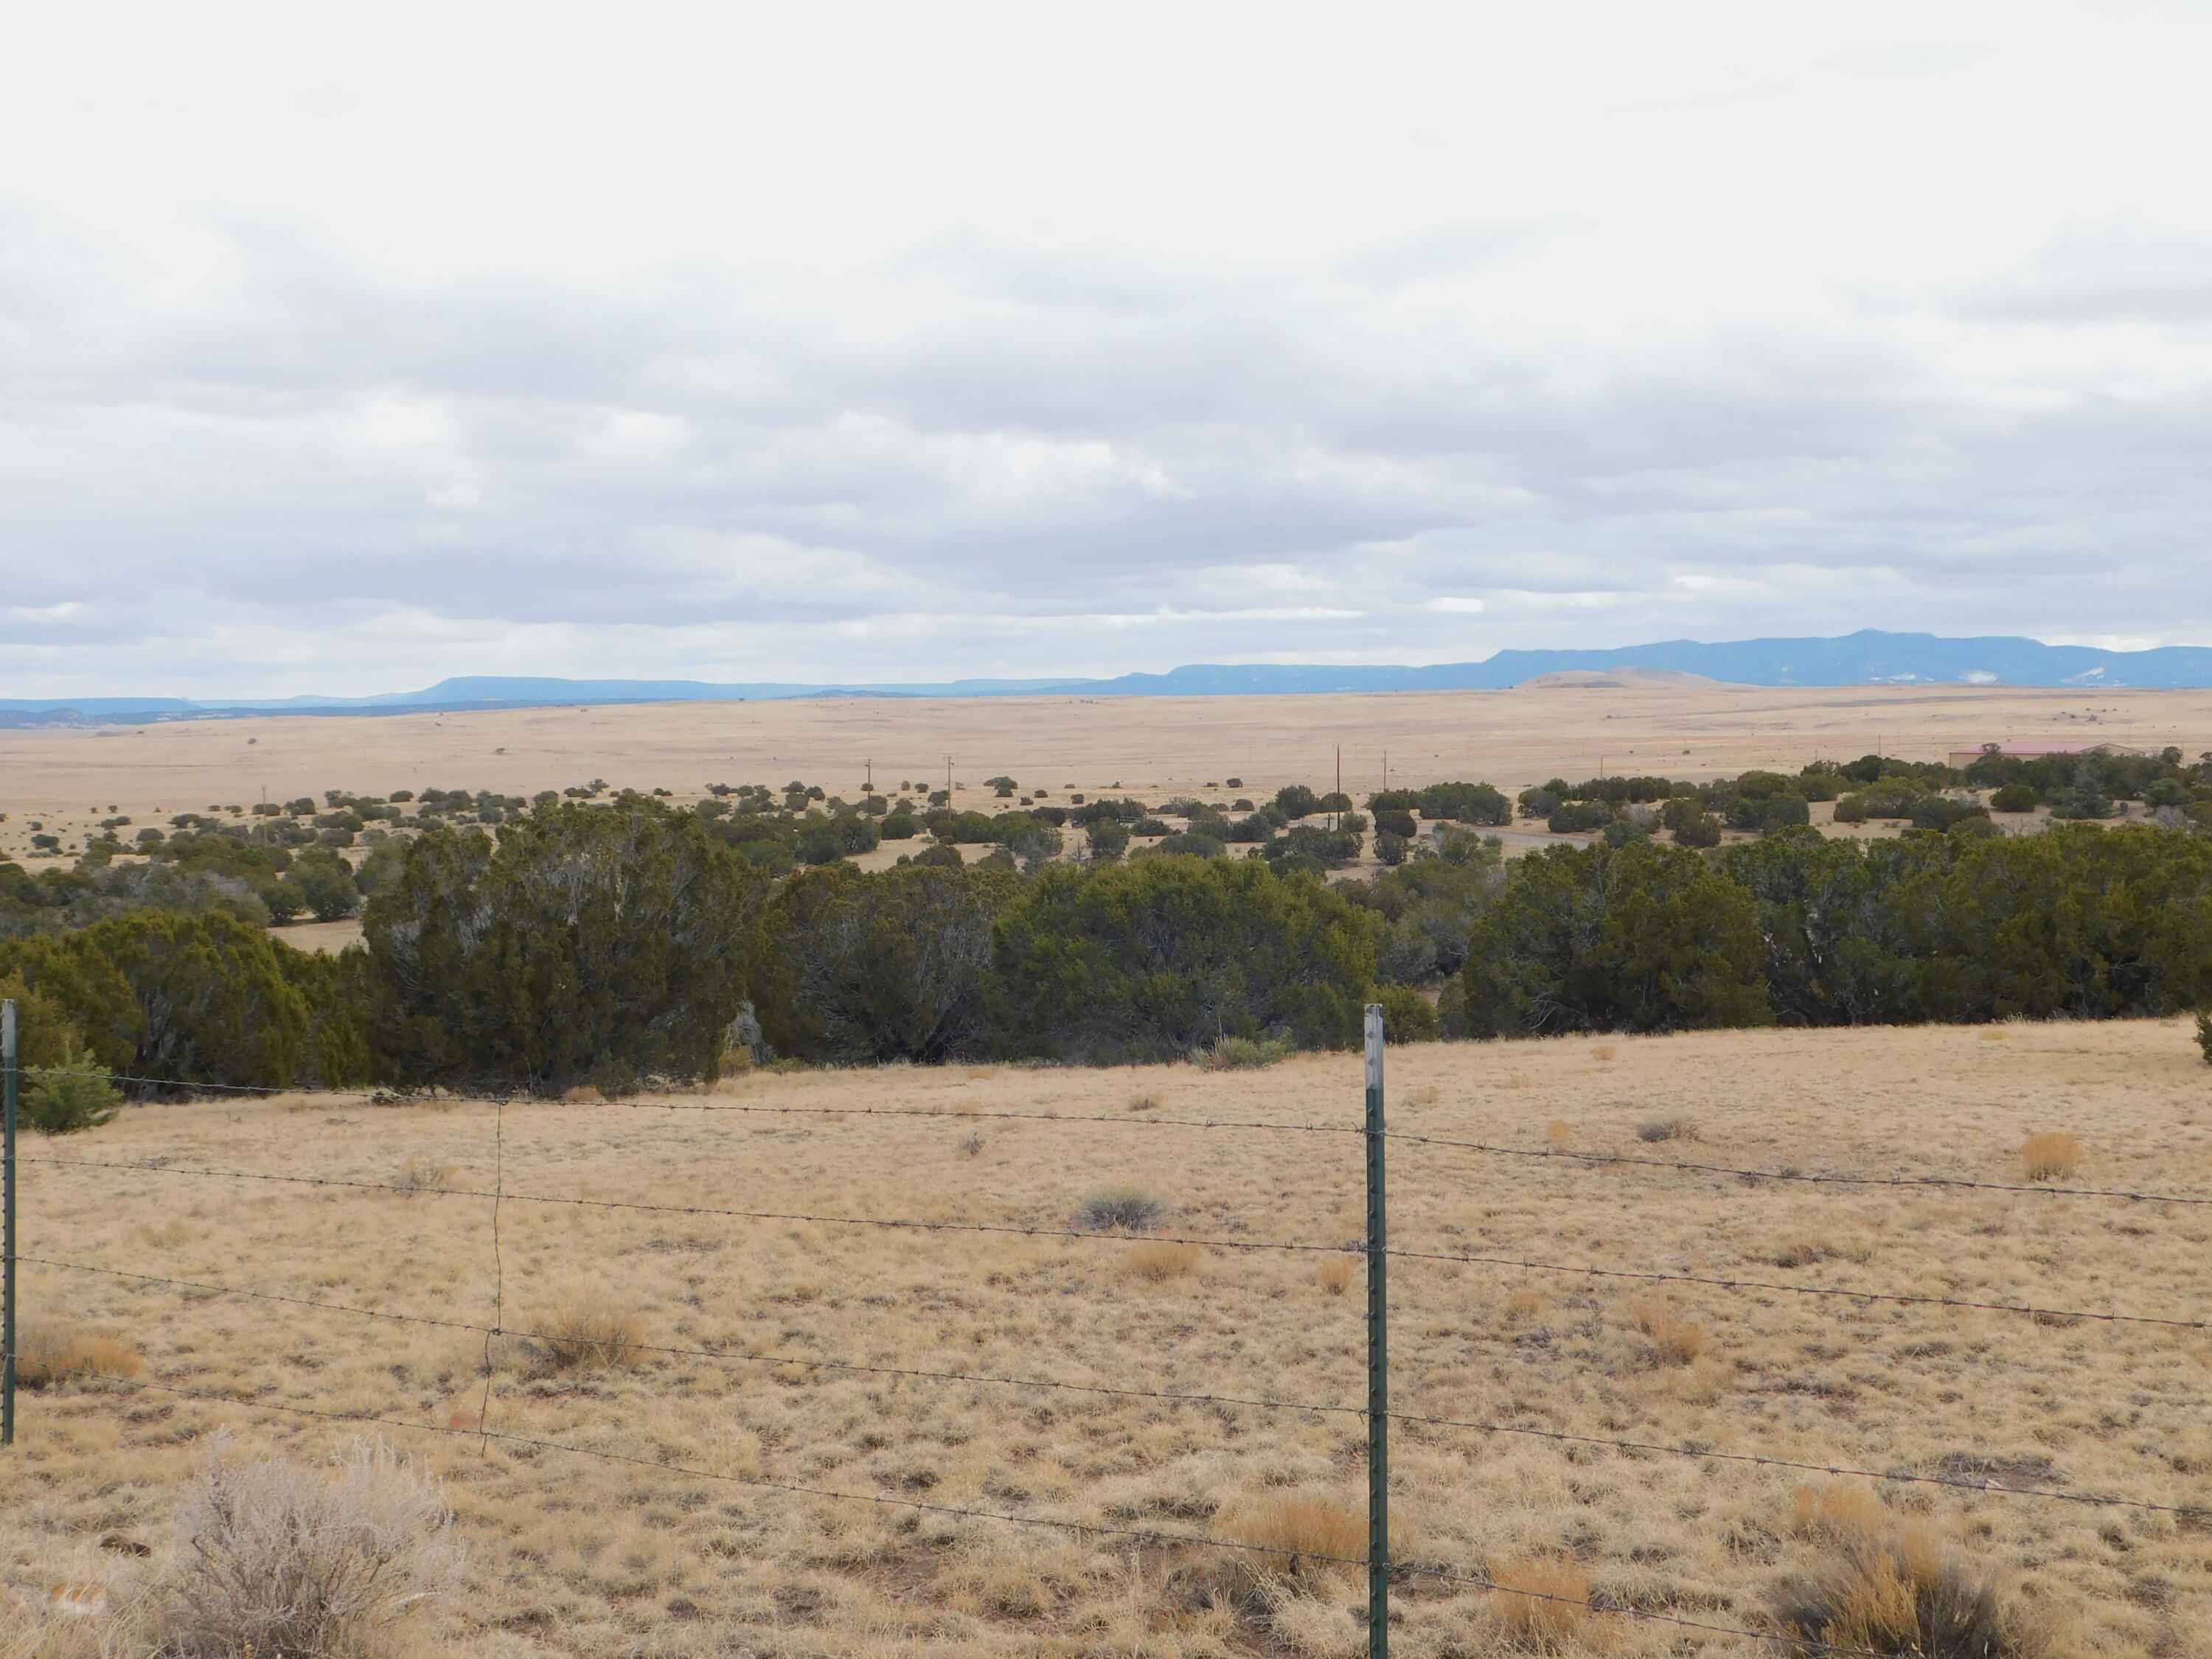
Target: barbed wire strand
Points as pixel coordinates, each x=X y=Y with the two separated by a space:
x=1526 y=1264
x=2038 y=1189
x=2049 y=1316
x=1414 y=1138
x=726 y=1356
x=1139 y=1535
x=2044 y=1189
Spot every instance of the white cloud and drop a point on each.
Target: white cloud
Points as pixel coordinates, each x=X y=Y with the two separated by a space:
x=889 y=345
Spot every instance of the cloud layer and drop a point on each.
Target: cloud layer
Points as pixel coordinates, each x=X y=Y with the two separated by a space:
x=921 y=386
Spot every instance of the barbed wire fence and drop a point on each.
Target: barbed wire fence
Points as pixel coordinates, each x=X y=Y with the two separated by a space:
x=1377 y=1414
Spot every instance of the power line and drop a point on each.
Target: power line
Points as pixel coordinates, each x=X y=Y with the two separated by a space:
x=726 y=1356
x=1144 y=1535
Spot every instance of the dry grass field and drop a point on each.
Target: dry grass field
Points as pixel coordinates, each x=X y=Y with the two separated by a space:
x=1158 y=746
x=673 y=1553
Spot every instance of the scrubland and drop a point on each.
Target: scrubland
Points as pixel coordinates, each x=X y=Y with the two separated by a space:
x=1152 y=747
x=672 y=1552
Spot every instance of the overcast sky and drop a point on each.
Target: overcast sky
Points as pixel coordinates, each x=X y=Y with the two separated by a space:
x=344 y=349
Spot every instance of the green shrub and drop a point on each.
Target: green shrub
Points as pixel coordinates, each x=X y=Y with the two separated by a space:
x=1149 y=959
x=1127 y=1209
x=1396 y=821
x=1643 y=938
x=1106 y=839
x=874 y=968
x=1297 y=800
x=2204 y=1034
x=2013 y=797
x=1468 y=803
x=64 y=1099
x=1575 y=816
x=1231 y=1054
x=1407 y=1016
x=591 y=944
x=1851 y=809
x=1391 y=848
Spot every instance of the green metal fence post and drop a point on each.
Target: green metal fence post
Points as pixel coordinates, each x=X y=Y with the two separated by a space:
x=1378 y=1359
x=7 y=1223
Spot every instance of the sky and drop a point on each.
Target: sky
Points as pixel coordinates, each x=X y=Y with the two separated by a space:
x=343 y=349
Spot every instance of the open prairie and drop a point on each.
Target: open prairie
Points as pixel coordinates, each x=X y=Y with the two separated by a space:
x=697 y=1532
x=69 y=779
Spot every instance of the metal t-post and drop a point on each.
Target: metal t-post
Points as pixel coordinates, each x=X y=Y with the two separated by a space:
x=7 y=1223
x=1378 y=1359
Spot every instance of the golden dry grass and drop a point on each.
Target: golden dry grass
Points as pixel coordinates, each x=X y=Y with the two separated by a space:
x=586 y=1331
x=45 y=1358
x=1541 y=1601
x=1162 y=1261
x=2052 y=1155
x=1334 y=1275
x=669 y=1553
x=1674 y=1338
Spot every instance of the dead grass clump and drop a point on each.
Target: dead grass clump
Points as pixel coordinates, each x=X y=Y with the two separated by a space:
x=1559 y=1135
x=1129 y=1209
x=586 y=1333
x=1144 y=1103
x=1677 y=1340
x=1666 y=1128
x=1604 y=1051
x=1835 y=1512
x=1334 y=1275
x=1162 y=1260
x=1304 y=1539
x=1904 y=1593
x=1541 y=1601
x=275 y=1558
x=422 y=1175
x=970 y=1145
x=1525 y=1305
x=1804 y=1253
x=43 y=1358
x=2053 y=1154
x=582 y=1095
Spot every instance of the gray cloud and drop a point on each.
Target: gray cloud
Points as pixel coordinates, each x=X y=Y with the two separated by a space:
x=995 y=460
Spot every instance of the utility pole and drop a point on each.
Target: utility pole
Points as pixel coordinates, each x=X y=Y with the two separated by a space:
x=1339 y=781
x=1378 y=1358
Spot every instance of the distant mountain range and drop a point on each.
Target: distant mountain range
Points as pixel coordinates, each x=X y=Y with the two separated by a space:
x=1867 y=658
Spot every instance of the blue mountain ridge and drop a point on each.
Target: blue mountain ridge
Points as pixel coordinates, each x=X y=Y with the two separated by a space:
x=1870 y=657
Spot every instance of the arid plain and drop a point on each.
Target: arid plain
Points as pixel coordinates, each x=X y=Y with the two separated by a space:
x=1597 y=1421
x=1626 y=722
x=761 y=1329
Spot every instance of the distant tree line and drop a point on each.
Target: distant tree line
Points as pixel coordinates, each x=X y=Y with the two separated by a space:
x=611 y=939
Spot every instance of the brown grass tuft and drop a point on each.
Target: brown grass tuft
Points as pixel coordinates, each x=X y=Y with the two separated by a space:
x=1162 y=1261
x=1144 y=1103
x=43 y=1358
x=1905 y=1593
x=1678 y=1340
x=1559 y=1134
x=1309 y=1538
x=1539 y=1600
x=1835 y=1512
x=583 y=1095
x=422 y=1174
x=1604 y=1051
x=586 y=1333
x=1525 y=1304
x=2053 y=1154
x=1666 y=1128
x=1334 y=1275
